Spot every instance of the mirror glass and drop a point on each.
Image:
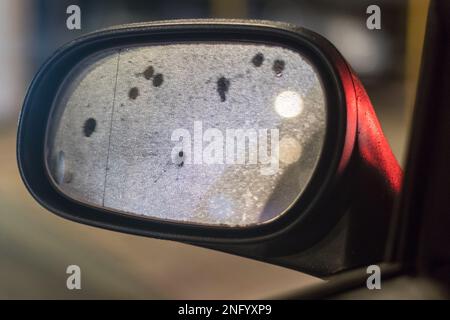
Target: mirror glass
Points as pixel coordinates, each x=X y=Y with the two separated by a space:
x=222 y=134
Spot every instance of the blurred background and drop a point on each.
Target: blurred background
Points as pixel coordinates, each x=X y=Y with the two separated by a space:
x=36 y=246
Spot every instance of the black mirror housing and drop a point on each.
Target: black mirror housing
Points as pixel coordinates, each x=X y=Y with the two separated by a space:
x=331 y=227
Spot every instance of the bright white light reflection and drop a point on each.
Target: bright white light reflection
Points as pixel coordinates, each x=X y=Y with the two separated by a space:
x=288 y=104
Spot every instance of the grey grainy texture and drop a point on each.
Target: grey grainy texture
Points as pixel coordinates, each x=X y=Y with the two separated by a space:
x=139 y=96
x=77 y=160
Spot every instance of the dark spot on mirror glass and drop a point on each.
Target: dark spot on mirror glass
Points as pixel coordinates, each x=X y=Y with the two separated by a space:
x=223 y=84
x=181 y=164
x=148 y=73
x=278 y=67
x=89 y=127
x=258 y=59
x=180 y=154
x=158 y=80
x=133 y=93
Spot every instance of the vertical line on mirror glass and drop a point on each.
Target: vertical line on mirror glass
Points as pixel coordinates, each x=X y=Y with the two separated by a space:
x=110 y=128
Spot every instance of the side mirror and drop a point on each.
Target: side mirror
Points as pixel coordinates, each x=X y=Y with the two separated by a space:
x=253 y=138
